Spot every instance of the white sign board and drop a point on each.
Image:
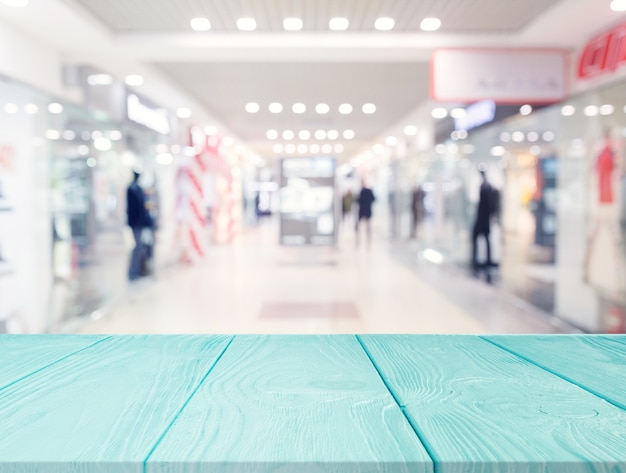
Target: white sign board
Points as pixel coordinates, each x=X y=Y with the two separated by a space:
x=504 y=76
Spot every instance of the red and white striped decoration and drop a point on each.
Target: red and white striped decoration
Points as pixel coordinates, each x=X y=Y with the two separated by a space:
x=191 y=234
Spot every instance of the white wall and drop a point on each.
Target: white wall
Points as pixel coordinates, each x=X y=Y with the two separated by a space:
x=32 y=62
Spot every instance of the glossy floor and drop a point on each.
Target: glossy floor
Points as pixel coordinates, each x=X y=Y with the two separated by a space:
x=255 y=285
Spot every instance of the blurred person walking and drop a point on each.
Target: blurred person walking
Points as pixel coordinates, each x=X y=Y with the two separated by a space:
x=364 y=201
x=417 y=209
x=138 y=219
x=487 y=208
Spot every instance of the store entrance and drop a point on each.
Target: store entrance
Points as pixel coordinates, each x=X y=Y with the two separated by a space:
x=529 y=221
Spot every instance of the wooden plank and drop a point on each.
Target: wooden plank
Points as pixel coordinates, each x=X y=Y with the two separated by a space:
x=595 y=363
x=482 y=409
x=291 y=403
x=616 y=338
x=104 y=409
x=22 y=355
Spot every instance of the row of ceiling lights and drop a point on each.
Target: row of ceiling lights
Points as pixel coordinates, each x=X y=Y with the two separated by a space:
x=320 y=108
x=334 y=24
x=566 y=111
x=304 y=148
x=32 y=109
x=306 y=134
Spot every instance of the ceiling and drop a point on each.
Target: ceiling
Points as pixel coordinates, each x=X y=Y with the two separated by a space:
x=217 y=72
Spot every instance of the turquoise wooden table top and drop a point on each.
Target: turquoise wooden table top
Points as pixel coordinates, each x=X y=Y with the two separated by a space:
x=309 y=404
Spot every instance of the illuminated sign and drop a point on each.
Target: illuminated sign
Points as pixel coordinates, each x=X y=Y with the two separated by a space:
x=507 y=76
x=603 y=54
x=154 y=118
x=476 y=115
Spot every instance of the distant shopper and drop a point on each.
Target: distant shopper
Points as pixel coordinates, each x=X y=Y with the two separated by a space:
x=365 y=200
x=417 y=209
x=487 y=208
x=138 y=219
x=346 y=203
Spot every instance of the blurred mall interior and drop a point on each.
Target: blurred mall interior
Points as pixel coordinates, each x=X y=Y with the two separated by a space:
x=253 y=126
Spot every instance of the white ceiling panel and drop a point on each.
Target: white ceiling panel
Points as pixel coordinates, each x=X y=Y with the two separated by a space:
x=223 y=69
x=457 y=16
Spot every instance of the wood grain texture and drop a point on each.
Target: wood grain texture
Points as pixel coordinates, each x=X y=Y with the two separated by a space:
x=482 y=409
x=291 y=403
x=616 y=338
x=595 y=363
x=103 y=410
x=22 y=355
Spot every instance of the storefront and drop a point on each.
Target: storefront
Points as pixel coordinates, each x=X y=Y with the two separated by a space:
x=64 y=170
x=561 y=233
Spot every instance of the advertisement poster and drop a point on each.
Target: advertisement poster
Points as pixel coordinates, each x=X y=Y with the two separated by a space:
x=307 y=201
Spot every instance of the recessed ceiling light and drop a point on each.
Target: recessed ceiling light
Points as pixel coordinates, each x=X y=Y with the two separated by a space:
x=526 y=109
x=591 y=111
x=320 y=135
x=410 y=130
x=430 y=24
x=314 y=148
x=228 y=141
x=11 y=108
x=290 y=148
x=102 y=144
x=69 y=135
x=547 y=136
x=302 y=148
x=369 y=108
x=246 y=24
x=252 y=107
x=345 y=109
x=457 y=112
x=439 y=112
x=134 y=80
x=607 y=109
x=288 y=135
x=568 y=110
x=384 y=24
x=338 y=148
x=278 y=148
x=391 y=141
x=327 y=148
x=378 y=148
x=332 y=134
x=304 y=134
x=31 y=108
x=200 y=24
x=298 y=108
x=292 y=24
x=518 y=136
x=53 y=135
x=532 y=136
x=183 y=112
x=348 y=134
x=210 y=130
x=618 y=5
x=322 y=108
x=115 y=135
x=99 y=79
x=55 y=108
x=271 y=134
x=275 y=107
x=498 y=151
x=15 y=3
x=338 y=24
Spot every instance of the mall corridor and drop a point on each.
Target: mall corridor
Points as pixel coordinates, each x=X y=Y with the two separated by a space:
x=254 y=285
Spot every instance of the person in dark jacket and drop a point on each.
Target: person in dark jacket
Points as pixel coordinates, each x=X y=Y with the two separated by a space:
x=138 y=219
x=364 y=201
x=487 y=208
